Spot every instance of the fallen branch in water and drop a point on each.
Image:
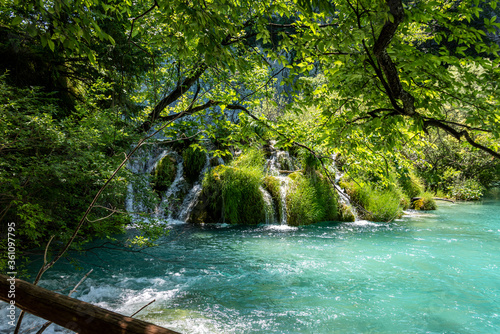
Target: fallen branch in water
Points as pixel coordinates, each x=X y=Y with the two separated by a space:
x=434 y=198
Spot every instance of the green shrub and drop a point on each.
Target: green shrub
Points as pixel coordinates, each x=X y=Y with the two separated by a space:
x=311 y=199
x=164 y=174
x=405 y=202
x=194 y=160
x=411 y=185
x=466 y=190
x=376 y=205
x=309 y=161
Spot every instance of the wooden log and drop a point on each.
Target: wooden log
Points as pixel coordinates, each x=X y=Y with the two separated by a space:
x=74 y=314
x=435 y=198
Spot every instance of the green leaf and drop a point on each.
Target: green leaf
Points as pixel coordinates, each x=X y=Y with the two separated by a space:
x=17 y=20
x=51 y=45
x=32 y=30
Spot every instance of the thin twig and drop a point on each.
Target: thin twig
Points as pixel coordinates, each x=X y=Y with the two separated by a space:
x=46 y=249
x=142 y=308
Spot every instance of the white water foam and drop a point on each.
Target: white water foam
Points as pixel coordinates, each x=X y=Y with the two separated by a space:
x=364 y=223
x=281 y=228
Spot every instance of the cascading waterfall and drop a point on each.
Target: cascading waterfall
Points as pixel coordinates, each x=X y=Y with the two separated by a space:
x=278 y=164
x=173 y=190
x=284 y=182
x=168 y=208
x=268 y=206
x=142 y=165
x=179 y=200
x=194 y=193
x=343 y=196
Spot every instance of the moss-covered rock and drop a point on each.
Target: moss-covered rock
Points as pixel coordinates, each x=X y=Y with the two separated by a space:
x=426 y=202
x=272 y=184
x=194 y=160
x=345 y=213
x=311 y=199
x=164 y=174
x=375 y=204
x=230 y=195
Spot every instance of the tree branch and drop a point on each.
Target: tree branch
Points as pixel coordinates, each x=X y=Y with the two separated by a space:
x=155 y=4
x=458 y=135
x=173 y=96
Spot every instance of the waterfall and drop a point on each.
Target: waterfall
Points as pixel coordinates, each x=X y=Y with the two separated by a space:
x=191 y=198
x=181 y=197
x=343 y=196
x=142 y=164
x=268 y=206
x=177 y=202
x=172 y=191
x=277 y=165
x=284 y=182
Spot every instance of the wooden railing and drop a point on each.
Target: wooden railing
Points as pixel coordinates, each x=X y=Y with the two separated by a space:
x=74 y=314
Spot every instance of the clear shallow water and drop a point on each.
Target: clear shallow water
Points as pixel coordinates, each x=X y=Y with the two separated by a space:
x=427 y=273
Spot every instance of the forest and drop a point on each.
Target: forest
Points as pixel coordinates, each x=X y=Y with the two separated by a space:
x=289 y=112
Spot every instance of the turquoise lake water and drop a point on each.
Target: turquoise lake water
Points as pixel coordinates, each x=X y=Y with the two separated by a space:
x=433 y=272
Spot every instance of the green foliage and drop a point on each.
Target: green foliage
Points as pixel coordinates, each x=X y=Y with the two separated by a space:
x=148 y=235
x=251 y=158
x=447 y=162
x=233 y=193
x=309 y=162
x=51 y=168
x=194 y=160
x=466 y=190
x=164 y=174
x=411 y=185
x=311 y=199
